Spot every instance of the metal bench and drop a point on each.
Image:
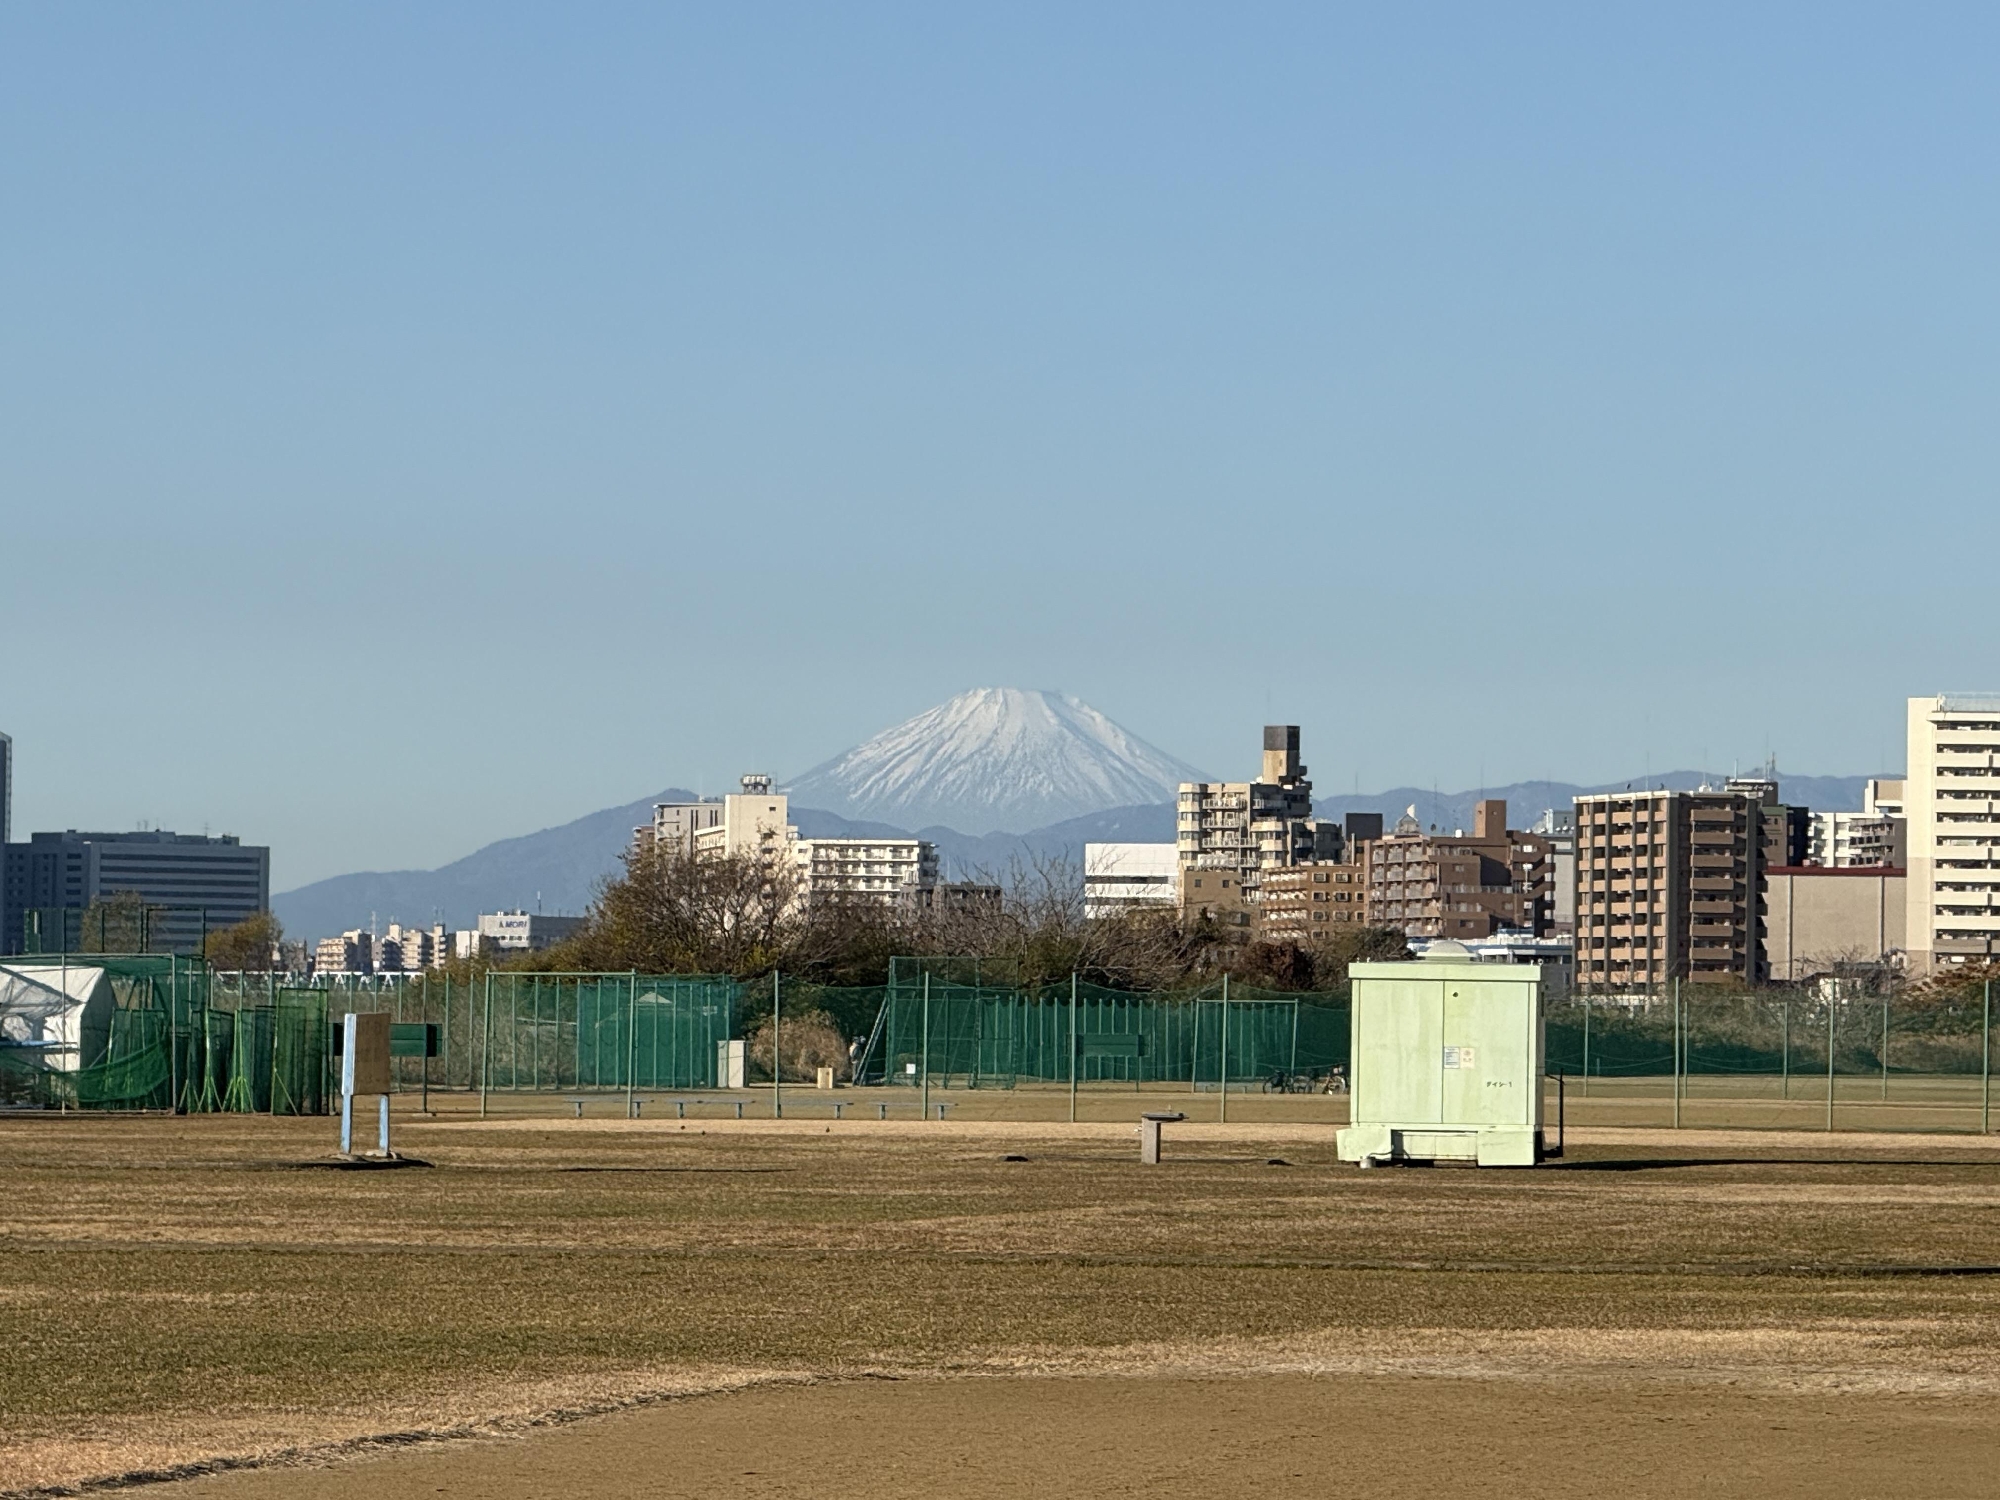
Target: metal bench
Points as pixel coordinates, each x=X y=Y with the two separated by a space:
x=577 y=1105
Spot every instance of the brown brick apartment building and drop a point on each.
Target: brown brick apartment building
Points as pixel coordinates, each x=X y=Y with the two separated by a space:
x=1458 y=886
x=1672 y=885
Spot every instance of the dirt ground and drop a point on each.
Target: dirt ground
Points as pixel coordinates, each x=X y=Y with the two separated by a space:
x=608 y=1306
x=1384 y=1438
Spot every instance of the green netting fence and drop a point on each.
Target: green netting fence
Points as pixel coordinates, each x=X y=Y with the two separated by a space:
x=605 y=1031
x=1766 y=1039
x=943 y=1026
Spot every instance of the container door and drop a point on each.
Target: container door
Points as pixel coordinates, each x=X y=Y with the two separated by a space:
x=1398 y=1032
x=1487 y=1066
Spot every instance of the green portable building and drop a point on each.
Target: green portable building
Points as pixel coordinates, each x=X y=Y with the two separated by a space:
x=1447 y=1058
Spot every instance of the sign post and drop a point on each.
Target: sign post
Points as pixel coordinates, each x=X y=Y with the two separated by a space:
x=364 y=1070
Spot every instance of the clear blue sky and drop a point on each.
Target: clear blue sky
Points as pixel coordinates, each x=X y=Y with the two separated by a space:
x=421 y=424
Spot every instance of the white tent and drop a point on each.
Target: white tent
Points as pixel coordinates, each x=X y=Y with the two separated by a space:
x=61 y=1011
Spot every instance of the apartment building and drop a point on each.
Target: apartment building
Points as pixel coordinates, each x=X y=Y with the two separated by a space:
x=410 y=950
x=1460 y=886
x=1671 y=885
x=1951 y=799
x=755 y=823
x=1305 y=902
x=1215 y=893
x=350 y=953
x=1857 y=840
x=1119 y=878
x=675 y=824
x=1249 y=827
x=883 y=871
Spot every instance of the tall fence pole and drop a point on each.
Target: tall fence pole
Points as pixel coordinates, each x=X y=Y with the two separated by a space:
x=924 y=1108
x=1786 y=1064
x=1677 y=1054
x=1586 y=1045
x=173 y=1039
x=1885 y=1051
x=486 y=1045
x=1832 y=1004
x=1223 y=1070
x=777 y=1066
x=1074 y=1043
x=631 y=1041
x=1986 y=1062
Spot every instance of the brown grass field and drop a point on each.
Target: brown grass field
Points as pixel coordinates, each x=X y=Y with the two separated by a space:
x=667 y=1307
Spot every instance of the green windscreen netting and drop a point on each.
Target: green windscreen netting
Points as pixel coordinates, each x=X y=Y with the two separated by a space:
x=946 y=1026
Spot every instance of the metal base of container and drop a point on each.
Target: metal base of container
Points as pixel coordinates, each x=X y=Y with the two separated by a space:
x=1506 y=1147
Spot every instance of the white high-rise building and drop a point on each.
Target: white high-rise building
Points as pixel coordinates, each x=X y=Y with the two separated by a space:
x=1130 y=877
x=1951 y=798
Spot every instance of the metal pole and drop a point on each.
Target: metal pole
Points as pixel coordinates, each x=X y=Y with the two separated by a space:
x=1986 y=1063
x=1787 y=1044
x=486 y=1045
x=1074 y=1042
x=173 y=1035
x=1677 y=1054
x=777 y=1070
x=1586 y=1045
x=924 y=1109
x=1223 y=1113
x=1831 y=1003
x=1885 y=1051
x=631 y=1041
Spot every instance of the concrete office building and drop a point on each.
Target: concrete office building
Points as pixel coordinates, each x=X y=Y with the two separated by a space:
x=1460 y=886
x=513 y=932
x=1249 y=827
x=192 y=883
x=1671 y=885
x=1824 y=919
x=1120 y=878
x=1951 y=799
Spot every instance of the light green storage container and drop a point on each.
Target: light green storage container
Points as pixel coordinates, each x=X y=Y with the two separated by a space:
x=1447 y=1060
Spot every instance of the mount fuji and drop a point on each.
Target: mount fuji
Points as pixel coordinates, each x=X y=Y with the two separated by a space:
x=994 y=760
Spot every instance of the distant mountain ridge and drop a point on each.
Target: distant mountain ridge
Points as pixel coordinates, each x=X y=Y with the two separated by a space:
x=566 y=863
x=993 y=759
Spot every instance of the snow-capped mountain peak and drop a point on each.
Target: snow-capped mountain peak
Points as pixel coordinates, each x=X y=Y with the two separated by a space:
x=994 y=759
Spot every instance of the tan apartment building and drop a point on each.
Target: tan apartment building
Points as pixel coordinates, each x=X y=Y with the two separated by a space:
x=1951 y=801
x=1671 y=885
x=1214 y=893
x=1254 y=826
x=1304 y=902
x=1460 y=886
